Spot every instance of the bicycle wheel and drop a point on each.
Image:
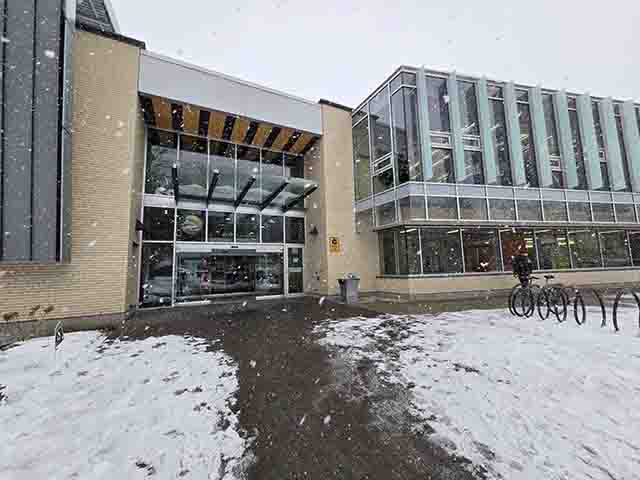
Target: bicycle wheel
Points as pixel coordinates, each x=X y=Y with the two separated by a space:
x=512 y=296
x=558 y=300
x=523 y=302
x=579 y=309
x=542 y=302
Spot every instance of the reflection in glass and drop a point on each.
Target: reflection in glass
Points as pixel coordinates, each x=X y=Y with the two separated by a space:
x=550 y=124
x=383 y=181
x=553 y=250
x=404 y=105
x=577 y=147
x=380 y=123
x=442 y=165
x=441 y=251
x=585 y=248
x=625 y=213
x=481 y=251
x=192 y=167
x=361 y=160
x=295 y=230
x=555 y=211
x=515 y=241
x=472 y=168
x=222 y=160
x=247 y=227
x=293 y=166
x=579 y=211
x=158 y=223
x=499 y=142
x=272 y=229
x=443 y=208
x=191 y=225
x=614 y=248
x=623 y=153
x=270 y=274
x=473 y=209
x=526 y=140
x=412 y=208
x=529 y=210
x=161 y=157
x=296 y=270
x=364 y=221
x=409 y=252
x=438 y=101
x=596 y=123
x=156 y=275
x=388 y=252
x=248 y=167
x=602 y=212
x=386 y=214
x=634 y=241
x=468 y=108
x=220 y=227
x=502 y=209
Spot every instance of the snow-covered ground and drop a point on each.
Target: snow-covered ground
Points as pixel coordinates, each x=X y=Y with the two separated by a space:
x=131 y=409
x=525 y=399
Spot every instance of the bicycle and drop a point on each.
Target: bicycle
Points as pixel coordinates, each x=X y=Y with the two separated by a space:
x=552 y=298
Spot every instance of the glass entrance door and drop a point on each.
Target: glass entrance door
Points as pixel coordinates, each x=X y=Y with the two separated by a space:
x=295 y=271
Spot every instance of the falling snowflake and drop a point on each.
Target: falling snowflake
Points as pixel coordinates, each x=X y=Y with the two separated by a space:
x=5 y=40
x=304 y=417
x=327 y=419
x=321 y=301
x=50 y=54
x=92 y=243
x=253 y=363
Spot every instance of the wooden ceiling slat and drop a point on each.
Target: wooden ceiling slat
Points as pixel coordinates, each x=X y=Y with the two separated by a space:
x=263 y=133
x=216 y=124
x=301 y=143
x=282 y=139
x=164 y=117
x=239 y=130
x=191 y=118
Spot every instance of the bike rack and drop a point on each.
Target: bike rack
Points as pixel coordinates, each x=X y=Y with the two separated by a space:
x=619 y=296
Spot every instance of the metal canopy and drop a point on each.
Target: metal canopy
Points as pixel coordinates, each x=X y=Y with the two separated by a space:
x=212 y=185
x=176 y=183
x=273 y=195
x=289 y=205
x=244 y=191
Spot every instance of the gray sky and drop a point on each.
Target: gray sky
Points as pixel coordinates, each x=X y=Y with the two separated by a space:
x=342 y=50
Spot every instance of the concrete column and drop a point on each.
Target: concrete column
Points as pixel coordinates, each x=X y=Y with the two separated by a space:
x=543 y=162
x=632 y=143
x=612 y=144
x=513 y=135
x=484 y=116
x=423 y=121
x=566 y=138
x=456 y=128
x=589 y=143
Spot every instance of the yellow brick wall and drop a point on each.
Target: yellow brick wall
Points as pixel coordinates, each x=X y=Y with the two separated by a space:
x=105 y=121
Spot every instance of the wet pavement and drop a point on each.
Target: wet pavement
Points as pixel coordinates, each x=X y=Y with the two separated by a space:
x=310 y=417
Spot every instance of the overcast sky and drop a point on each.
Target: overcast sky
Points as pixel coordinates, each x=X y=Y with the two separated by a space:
x=341 y=50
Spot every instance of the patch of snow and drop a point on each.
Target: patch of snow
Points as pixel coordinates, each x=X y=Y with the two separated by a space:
x=119 y=410
x=525 y=399
x=327 y=420
x=253 y=363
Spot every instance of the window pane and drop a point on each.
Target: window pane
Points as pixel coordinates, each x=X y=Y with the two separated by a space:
x=468 y=108
x=272 y=173
x=361 y=160
x=528 y=151
x=412 y=208
x=529 y=210
x=555 y=211
x=579 y=212
x=604 y=172
x=161 y=157
x=222 y=160
x=396 y=83
x=623 y=152
x=502 y=209
x=494 y=91
x=381 y=123
x=246 y=227
x=557 y=179
x=364 y=221
x=634 y=240
x=438 y=100
x=602 y=212
x=499 y=142
x=442 y=165
x=220 y=227
x=473 y=208
x=388 y=252
x=190 y=226
x=614 y=248
x=585 y=248
x=295 y=230
x=192 y=167
x=405 y=120
x=472 y=168
x=158 y=223
x=408 y=248
x=625 y=213
x=295 y=270
x=441 y=252
x=386 y=214
x=270 y=274
x=293 y=166
x=445 y=208
x=597 y=125
x=248 y=167
x=550 y=123
x=359 y=115
x=481 y=252
x=553 y=250
x=193 y=276
x=577 y=147
x=272 y=229
x=517 y=242
x=383 y=181
x=156 y=278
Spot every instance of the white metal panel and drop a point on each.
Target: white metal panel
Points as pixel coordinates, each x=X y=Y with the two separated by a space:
x=175 y=80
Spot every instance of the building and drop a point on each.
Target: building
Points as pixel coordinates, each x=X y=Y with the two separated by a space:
x=133 y=180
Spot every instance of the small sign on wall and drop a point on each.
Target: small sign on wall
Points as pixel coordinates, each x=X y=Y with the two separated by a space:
x=335 y=246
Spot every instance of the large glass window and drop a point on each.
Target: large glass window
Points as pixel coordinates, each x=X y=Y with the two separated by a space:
x=529 y=210
x=381 y=123
x=472 y=168
x=386 y=214
x=623 y=151
x=295 y=230
x=481 y=250
x=412 y=208
x=499 y=142
x=555 y=211
x=248 y=168
x=383 y=181
x=404 y=104
x=388 y=252
x=441 y=250
x=220 y=227
x=191 y=226
x=526 y=140
x=517 y=242
x=156 y=279
x=409 y=251
x=270 y=274
x=247 y=227
x=272 y=229
x=362 y=160
x=585 y=248
x=438 y=101
x=293 y=166
x=364 y=221
x=222 y=160
x=550 y=124
x=158 y=223
x=615 y=249
x=296 y=279
x=577 y=148
x=553 y=249
x=625 y=213
x=602 y=212
x=468 y=108
x=473 y=208
x=272 y=173
x=192 y=167
x=634 y=241
x=161 y=157
x=580 y=211
x=502 y=209
x=443 y=208
x=442 y=160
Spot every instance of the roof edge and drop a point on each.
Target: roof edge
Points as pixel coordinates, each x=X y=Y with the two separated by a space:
x=114 y=36
x=329 y=103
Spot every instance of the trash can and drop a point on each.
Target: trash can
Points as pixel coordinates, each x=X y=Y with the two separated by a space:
x=349 y=288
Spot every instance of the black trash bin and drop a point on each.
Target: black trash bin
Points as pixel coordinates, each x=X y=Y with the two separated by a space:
x=349 y=288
